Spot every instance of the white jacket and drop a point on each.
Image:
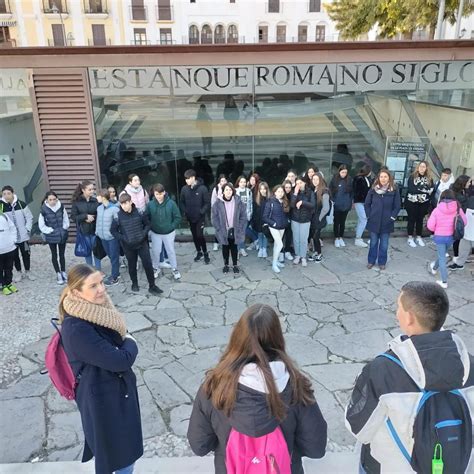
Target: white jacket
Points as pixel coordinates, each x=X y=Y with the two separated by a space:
x=7 y=235
x=20 y=214
x=469 y=228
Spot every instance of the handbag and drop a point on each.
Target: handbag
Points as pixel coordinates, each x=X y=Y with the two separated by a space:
x=82 y=247
x=98 y=249
x=458 y=226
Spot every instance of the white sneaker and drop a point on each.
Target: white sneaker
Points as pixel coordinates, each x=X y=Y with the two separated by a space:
x=17 y=277
x=304 y=262
x=442 y=284
x=275 y=267
x=156 y=272
x=288 y=256
x=30 y=276
x=243 y=253
x=176 y=274
x=215 y=247
x=342 y=243
x=336 y=243
x=264 y=253
x=360 y=243
x=455 y=260
x=165 y=264
x=260 y=253
x=123 y=262
x=431 y=268
x=281 y=265
x=281 y=257
x=64 y=275
x=252 y=246
x=420 y=242
x=59 y=279
x=411 y=242
x=321 y=242
x=296 y=260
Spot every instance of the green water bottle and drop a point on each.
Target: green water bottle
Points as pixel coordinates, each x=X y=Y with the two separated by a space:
x=437 y=464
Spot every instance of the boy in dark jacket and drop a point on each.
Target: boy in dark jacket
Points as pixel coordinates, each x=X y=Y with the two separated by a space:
x=195 y=203
x=433 y=360
x=131 y=230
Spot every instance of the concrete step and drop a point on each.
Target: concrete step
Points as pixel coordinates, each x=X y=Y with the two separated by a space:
x=332 y=463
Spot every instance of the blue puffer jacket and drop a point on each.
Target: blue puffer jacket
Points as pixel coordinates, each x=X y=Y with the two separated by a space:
x=341 y=192
x=382 y=210
x=105 y=217
x=274 y=215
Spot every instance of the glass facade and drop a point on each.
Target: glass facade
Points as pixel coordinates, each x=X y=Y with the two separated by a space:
x=19 y=157
x=158 y=122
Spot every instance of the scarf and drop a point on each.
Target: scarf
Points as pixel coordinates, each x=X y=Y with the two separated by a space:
x=105 y=315
x=381 y=189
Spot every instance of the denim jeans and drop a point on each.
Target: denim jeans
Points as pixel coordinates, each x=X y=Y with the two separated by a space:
x=251 y=234
x=378 y=248
x=442 y=245
x=88 y=259
x=112 y=249
x=126 y=470
x=300 y=237
x=361 y=219
x=262 y=241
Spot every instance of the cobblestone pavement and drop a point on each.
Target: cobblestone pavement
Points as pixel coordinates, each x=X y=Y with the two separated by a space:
x=336 y=315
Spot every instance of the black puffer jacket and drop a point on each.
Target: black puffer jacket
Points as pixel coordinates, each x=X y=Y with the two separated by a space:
x=305 y=212
x=360 y=188
x=131 y=228
x=79 y=211
x=257 y=215
x=304 y=427
x=195 y=201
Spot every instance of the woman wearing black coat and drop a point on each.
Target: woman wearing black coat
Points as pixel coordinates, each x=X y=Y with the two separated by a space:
x=341 y=192
x=382 y=206
x=256 y=394
x=101 y=354
x=84 y=214
x=261 y=198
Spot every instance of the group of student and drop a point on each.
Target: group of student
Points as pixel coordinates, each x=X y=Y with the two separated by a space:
x=411 y=406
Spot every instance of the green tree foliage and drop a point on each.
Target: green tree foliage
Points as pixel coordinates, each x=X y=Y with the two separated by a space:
x=357 y=17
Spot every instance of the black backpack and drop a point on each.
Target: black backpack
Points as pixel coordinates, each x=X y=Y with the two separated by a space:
x=442 y=432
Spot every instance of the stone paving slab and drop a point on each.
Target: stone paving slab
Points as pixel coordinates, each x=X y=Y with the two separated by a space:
x=336 y=316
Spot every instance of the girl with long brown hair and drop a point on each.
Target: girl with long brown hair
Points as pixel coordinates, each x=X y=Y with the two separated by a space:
x=321 y=211
x=382 y=206
x=101 y=354
x=257 y=390
x=417 y=202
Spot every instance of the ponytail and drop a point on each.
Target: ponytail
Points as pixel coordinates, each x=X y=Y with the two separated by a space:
x=79 y=188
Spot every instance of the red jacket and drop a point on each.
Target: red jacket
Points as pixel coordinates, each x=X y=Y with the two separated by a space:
x=441 y=221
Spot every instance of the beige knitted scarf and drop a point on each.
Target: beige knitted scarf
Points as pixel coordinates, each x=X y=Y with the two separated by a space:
x=105 y=315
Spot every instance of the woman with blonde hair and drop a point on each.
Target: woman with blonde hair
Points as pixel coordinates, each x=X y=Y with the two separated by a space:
x=417 y=202
x=256 y=395
x=101 y=354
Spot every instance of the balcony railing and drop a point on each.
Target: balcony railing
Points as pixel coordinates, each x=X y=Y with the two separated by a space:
x=5 y=8
x=140 y=42
x=96 y=42
x=55 y=6
x=95 y=7
x=166 y=41
x=138 y=13
x=164 y=13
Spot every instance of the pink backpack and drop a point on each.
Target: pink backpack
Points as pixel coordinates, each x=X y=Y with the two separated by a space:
x=57 y=364
x=267 y=454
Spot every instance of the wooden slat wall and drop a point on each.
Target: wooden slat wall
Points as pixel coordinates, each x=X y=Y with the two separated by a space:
x=65 y=128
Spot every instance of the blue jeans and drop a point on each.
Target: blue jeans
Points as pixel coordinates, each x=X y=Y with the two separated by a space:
x=126 y=470
x=112 y=249
x=251 y=234
x=88 y=259
x=300 y=232
x=378 y=248
x=262 y=241
x=361 y=219
x=442 y=245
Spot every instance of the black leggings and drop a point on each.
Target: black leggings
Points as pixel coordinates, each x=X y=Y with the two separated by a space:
x=197 y=229
x=24 y=249
x=339 y=223
x=416 y=212
x=6 y=268
x=231 y=248
x=288 y=240
x=316 y=241
x=54 y=257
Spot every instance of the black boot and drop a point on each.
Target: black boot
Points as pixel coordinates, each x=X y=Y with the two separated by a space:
x=198 y=256
x=207 y=260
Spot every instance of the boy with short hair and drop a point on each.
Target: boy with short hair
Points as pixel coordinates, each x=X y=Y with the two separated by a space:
x=131 y=230
x=433 y=360
x=445 y=181
x=195 y=203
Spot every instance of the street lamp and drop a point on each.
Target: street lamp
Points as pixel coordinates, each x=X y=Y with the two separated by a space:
x=56 y=10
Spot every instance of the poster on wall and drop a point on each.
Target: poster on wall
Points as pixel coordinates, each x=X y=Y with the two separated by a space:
x=5 y=163
x=401 y=158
